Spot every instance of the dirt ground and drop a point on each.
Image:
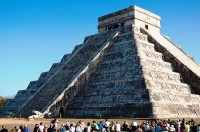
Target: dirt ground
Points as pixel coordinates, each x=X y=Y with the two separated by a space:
x=12 y=122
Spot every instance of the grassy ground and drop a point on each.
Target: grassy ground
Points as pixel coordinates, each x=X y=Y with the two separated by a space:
x=12 y=122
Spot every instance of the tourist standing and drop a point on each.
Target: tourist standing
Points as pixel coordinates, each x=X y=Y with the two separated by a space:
x=100 y=124
x=62 y=128
x=134 y=126
x=107 y=125
x=88 y=127
x=72 y=128
x=50 y=129
x=117 y=127
x=26 y=129
x=36 y=128
x=41 y=127
x=125 y=126
x=78 y=127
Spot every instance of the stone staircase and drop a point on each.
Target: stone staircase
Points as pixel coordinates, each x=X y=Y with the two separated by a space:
x=133 y=80
x=170 y=96
x=117 y=83
x=65 y=74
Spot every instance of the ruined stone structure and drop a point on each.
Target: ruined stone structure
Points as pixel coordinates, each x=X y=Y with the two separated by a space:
x=128 y=69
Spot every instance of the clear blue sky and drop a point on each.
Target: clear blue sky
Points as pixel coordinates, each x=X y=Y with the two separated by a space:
x=34 y=34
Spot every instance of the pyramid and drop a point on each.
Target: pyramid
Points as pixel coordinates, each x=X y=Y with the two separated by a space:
x=127 y=70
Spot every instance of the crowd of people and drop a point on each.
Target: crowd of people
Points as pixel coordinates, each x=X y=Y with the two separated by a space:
x=156 y=125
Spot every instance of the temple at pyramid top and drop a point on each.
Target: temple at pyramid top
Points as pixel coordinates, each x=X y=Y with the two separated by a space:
x=132 y=15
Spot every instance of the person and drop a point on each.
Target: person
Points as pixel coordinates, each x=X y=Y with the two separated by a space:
x=41 y=127
x=88 y=127
x=134 y=126
x=107 y=126
x=78 y=127
x=125 y=126
x=62 y=128
x=45 y=128
x=72 y=128
x=172 y=129
x=36 y=128
x=100 y=124
x=117 y=127
x=50 y=129
x=112 y=127
x=67 y=127
x=4 y=129
x=96 y=127
x=17 y=129
x=26 y=129
x=21 y=128
x=198 y=128
x=139 y=129
x=158 y=127
x=55 y=124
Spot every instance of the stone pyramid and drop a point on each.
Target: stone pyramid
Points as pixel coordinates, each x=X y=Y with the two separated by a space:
x=128 y=69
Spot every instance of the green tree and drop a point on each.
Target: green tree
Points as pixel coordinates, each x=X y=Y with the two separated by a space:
x=2 y=101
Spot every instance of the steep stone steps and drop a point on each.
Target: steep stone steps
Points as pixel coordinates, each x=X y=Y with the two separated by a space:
x=156 y=65
x=161 y=86
x=161 y=75
x=114 y=82
x=68 y=71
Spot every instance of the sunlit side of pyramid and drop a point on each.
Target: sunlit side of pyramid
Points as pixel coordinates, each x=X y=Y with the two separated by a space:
x=128 y=69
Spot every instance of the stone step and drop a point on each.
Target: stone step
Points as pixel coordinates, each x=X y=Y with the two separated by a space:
x=76 y=48
x=161 y=86
x=120 y=63
x=156 y=65
x=105 y=91
x=164 y=98
x=120 y=47
x=121 y=82
x=32 y=85
x=55 y=67
x=150 y=55
x=45 y=76
x=109 y=100
x=65 y=58
x=161 y=75
x=145 y=45
x=123 y=71
x=139 y=109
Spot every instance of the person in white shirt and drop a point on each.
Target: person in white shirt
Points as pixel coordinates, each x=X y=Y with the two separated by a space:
x=88 y=127
x=72 y=128
x=41 y=127
x=134 y=126
x=117 y=127
x=107 y=126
